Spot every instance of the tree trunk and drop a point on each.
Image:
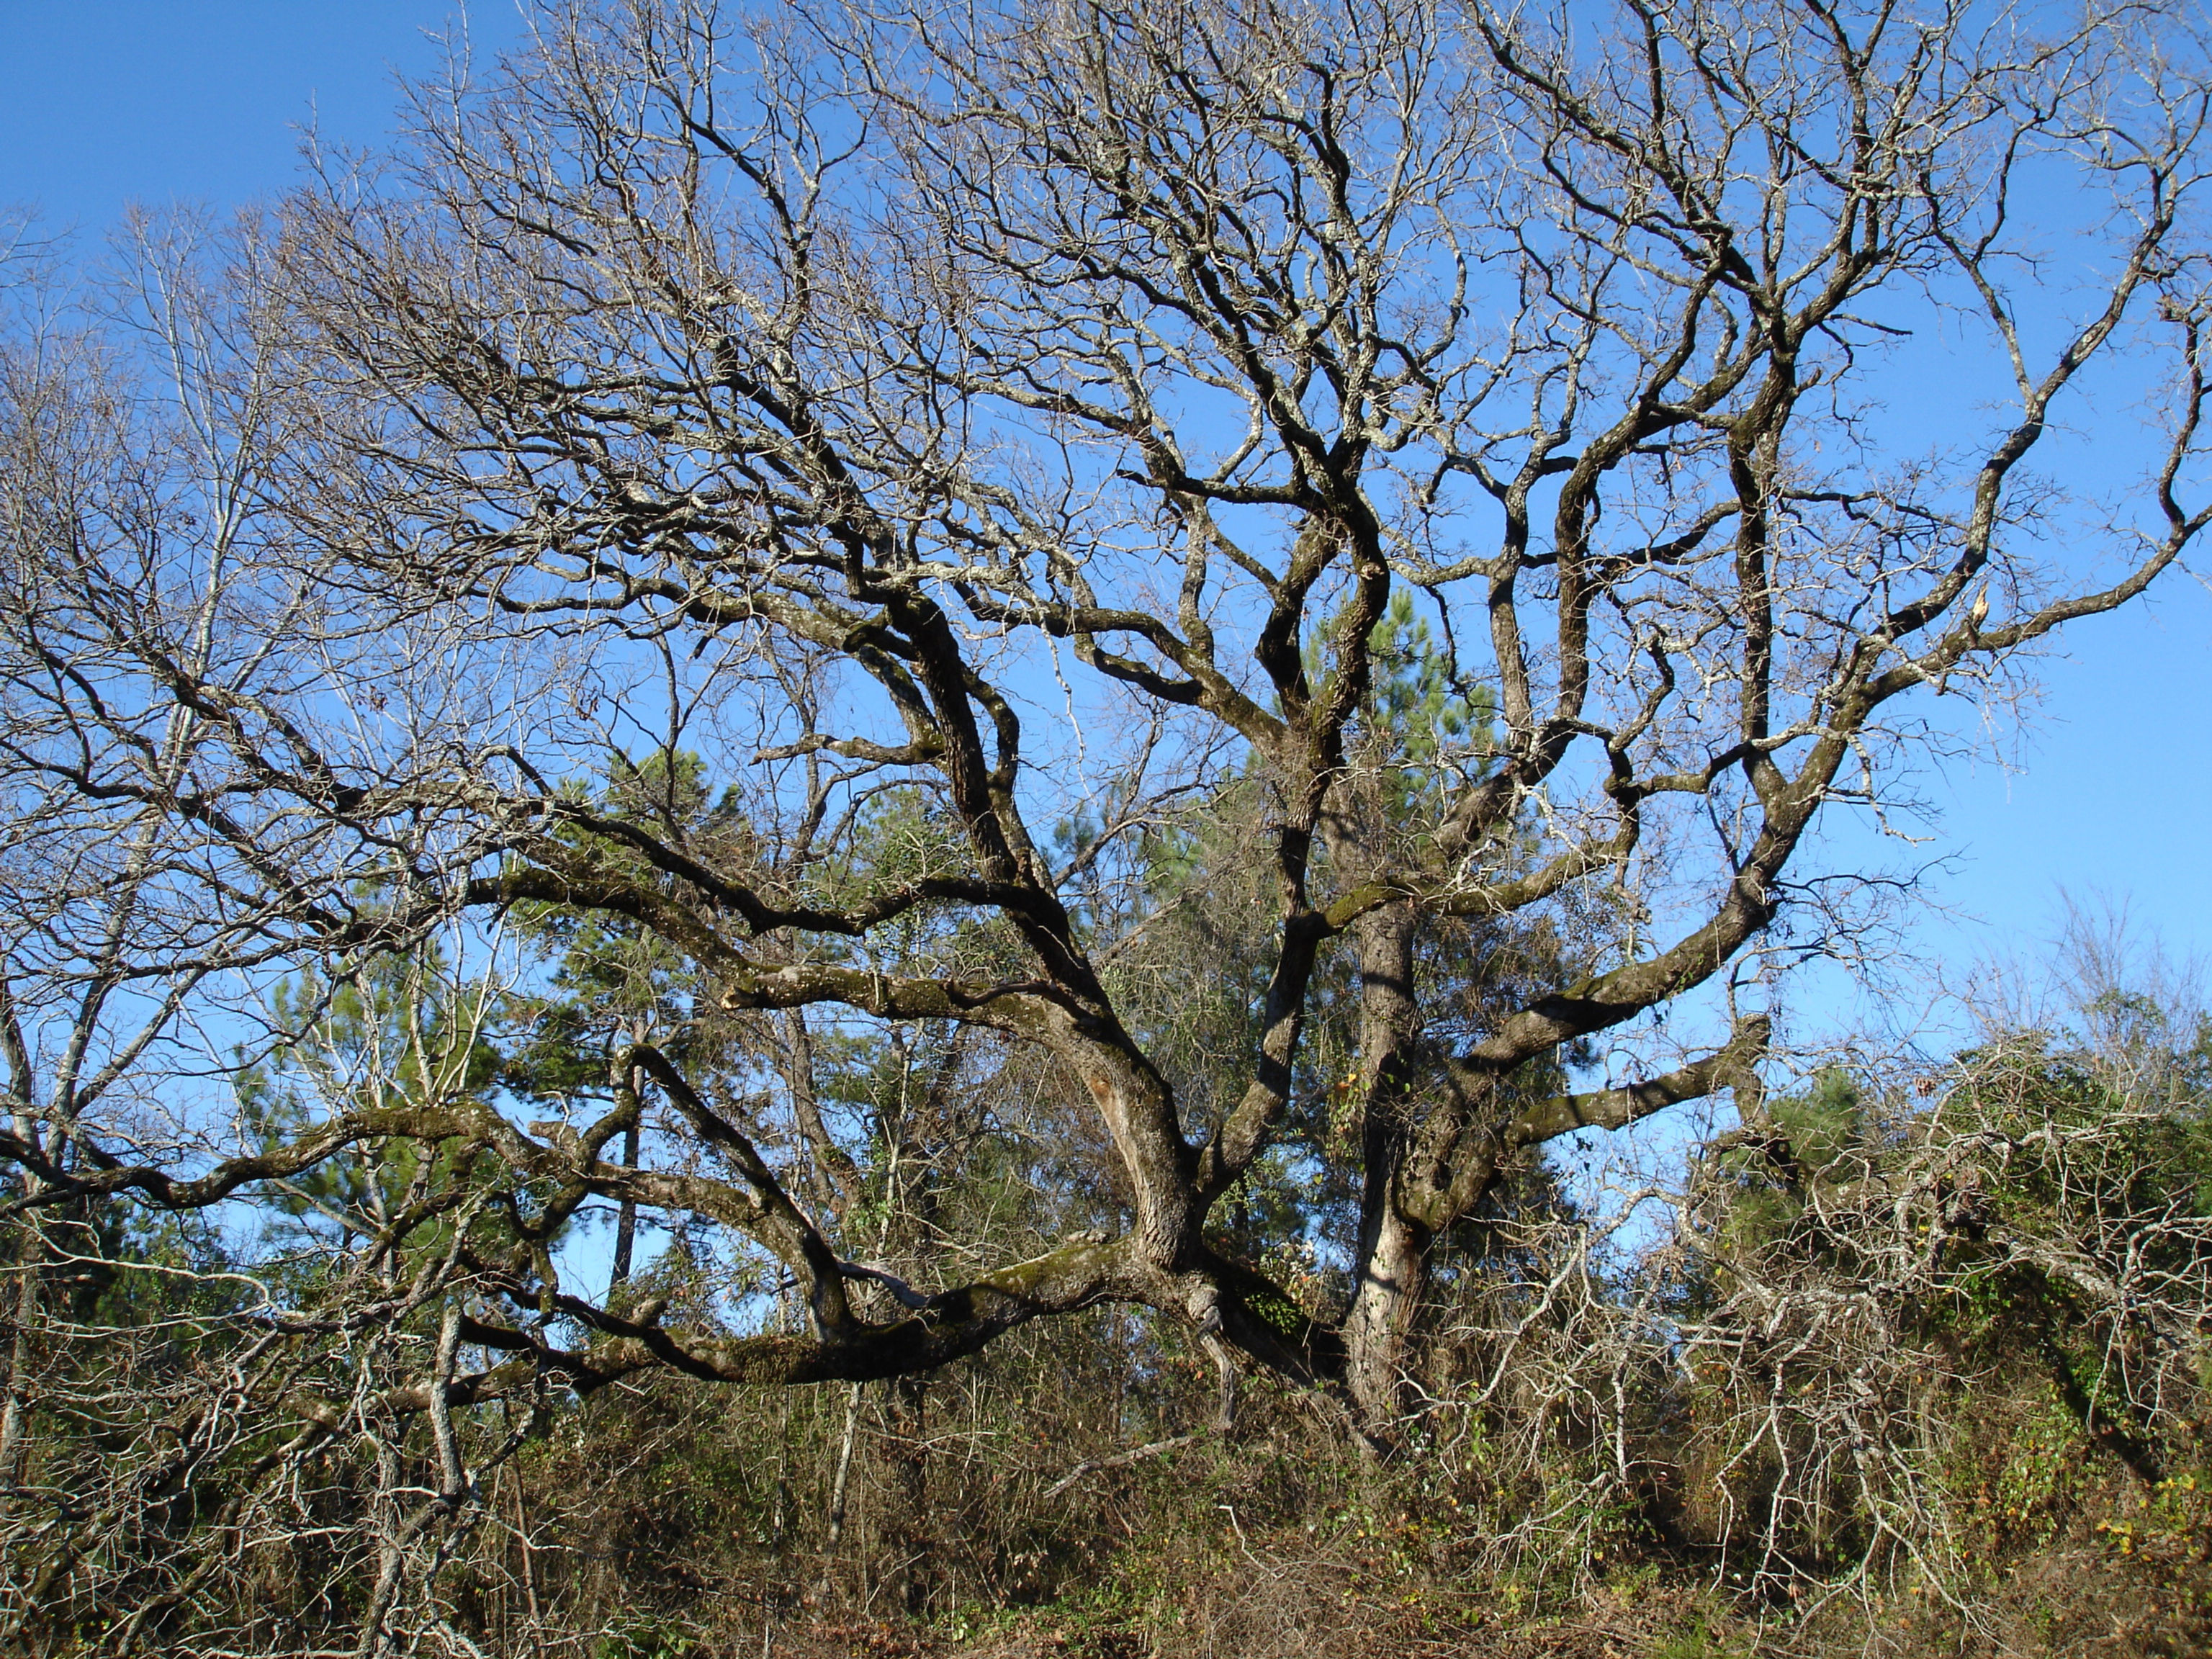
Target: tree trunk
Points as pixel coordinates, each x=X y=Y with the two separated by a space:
x=839 y=1487
x=1394 y=1270
x=29 y=1265
x=626 y=1218
x=1394 y=1247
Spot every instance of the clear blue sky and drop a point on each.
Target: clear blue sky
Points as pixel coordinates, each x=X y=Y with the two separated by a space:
x=109 y=101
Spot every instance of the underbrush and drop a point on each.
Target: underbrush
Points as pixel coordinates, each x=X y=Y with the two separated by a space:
x=1898 y=1380
x=1280 y=1540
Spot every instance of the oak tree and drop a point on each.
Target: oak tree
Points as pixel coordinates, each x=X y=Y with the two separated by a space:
x=1000 y=447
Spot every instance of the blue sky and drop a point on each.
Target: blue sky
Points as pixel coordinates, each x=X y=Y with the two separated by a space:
x=111 y=101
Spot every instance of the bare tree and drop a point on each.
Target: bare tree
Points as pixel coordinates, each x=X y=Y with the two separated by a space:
x=940 y=426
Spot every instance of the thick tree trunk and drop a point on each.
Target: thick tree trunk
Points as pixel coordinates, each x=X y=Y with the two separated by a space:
x=1393 y=1274
x=1394 y=1246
